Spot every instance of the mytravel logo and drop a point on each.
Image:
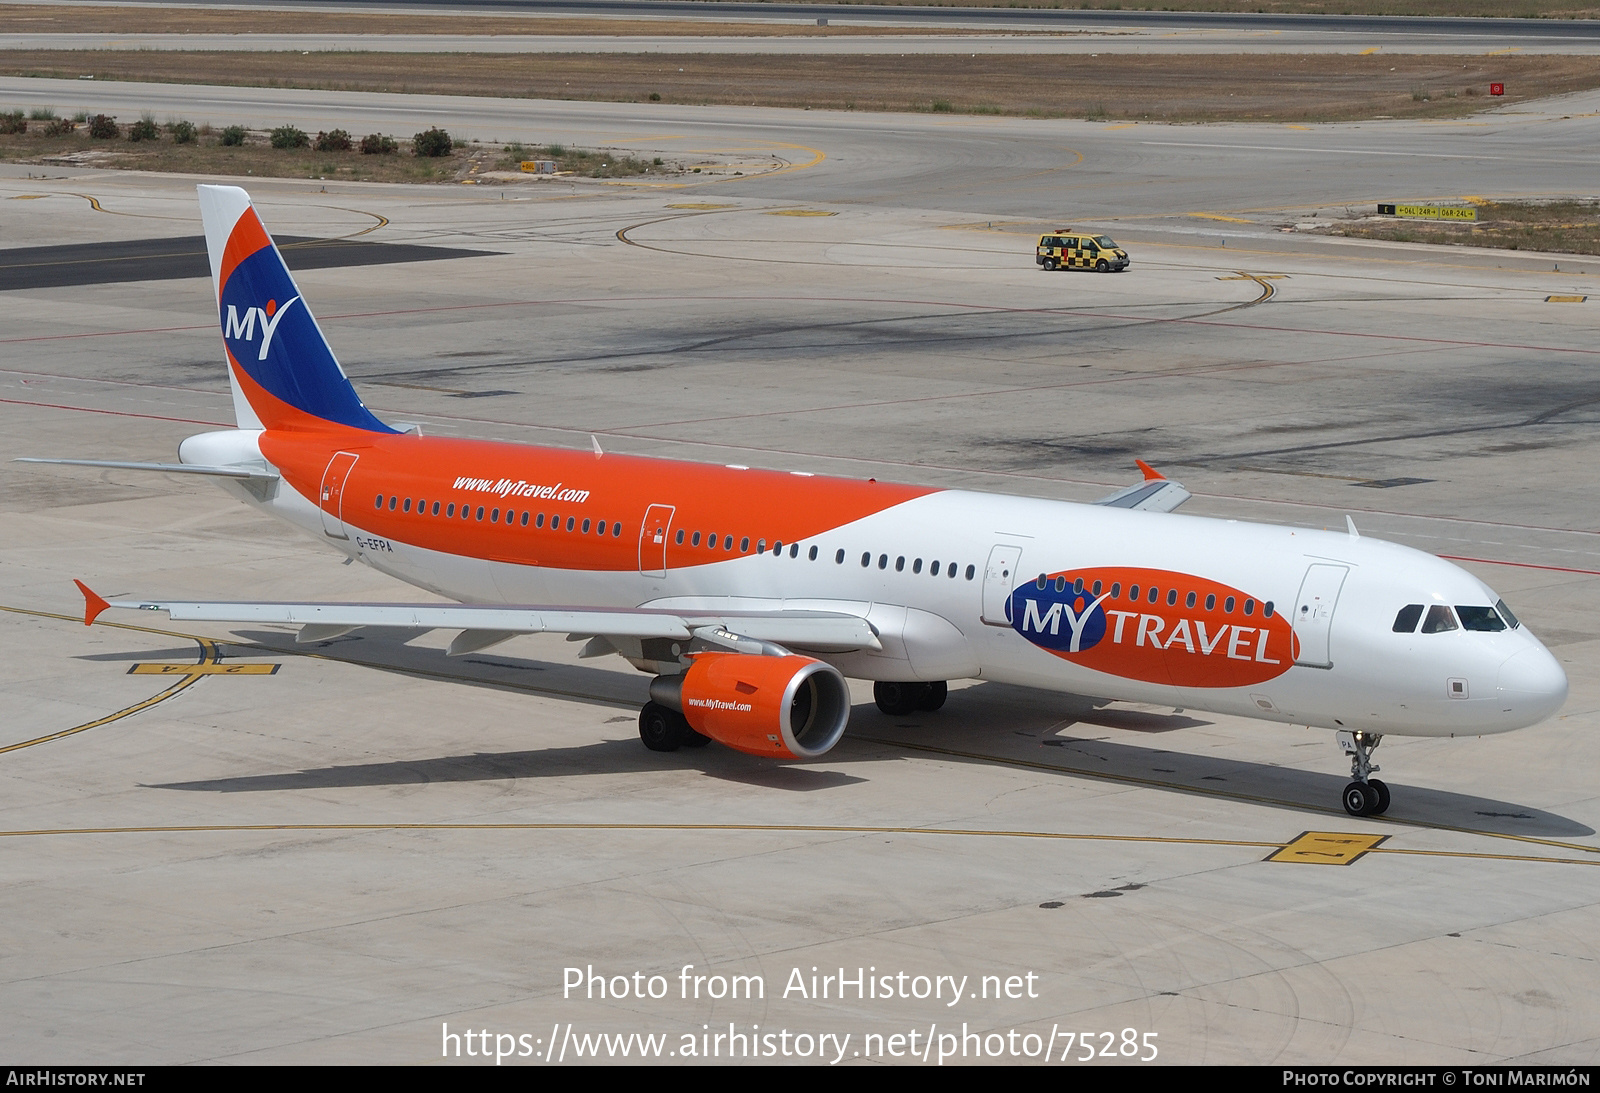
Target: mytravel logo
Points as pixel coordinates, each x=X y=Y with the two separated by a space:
x=1155 y=626
x=235 y=327
x=505 y=487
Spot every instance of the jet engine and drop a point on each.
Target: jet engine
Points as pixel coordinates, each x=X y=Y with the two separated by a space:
x=780 y=707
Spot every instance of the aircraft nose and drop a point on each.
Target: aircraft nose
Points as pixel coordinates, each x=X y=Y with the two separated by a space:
x=1532 y=685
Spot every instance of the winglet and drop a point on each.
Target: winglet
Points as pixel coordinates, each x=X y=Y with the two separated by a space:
x=93 y=604
x=1150 y=473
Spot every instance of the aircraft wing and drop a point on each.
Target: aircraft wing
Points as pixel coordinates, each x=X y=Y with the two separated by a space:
x=483 y=625
x=1156 y=493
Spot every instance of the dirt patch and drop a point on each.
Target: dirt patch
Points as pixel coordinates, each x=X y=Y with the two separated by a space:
x=143 y=19
x=1563 y=227
x=1242 y=87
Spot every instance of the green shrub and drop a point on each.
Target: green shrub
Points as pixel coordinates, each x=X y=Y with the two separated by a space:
x=336 y=141
x=41 y=113
x=376 y=144
x=433 y=143
x=233 y=136
x=183 y=132
x=13 y=122
x=104 y=127
x=144 y=129
x=287 y=136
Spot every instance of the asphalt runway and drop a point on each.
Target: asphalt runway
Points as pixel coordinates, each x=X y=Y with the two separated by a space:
x=265 y=852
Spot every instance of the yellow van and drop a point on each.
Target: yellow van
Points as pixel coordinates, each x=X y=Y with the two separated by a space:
x=1065 y=249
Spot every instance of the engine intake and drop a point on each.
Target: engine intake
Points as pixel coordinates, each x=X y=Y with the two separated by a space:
x=780 y=707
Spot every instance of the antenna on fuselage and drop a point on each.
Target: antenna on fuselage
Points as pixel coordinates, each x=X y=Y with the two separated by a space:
x=596 y=442
x=1350 y=523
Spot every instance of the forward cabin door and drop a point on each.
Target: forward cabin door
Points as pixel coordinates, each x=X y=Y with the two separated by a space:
x=331 y=497
x=998 y=578
x=1313 y=614
x=653 y=540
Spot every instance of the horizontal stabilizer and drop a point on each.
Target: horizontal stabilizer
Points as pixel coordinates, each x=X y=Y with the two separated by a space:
x=161 y=468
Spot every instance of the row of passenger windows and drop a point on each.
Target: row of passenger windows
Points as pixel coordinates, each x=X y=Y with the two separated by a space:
x=538 y=519
x=1153 y=594
x=1441 y=620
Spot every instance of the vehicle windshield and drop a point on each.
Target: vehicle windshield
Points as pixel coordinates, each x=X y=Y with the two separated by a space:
x=1106 y=241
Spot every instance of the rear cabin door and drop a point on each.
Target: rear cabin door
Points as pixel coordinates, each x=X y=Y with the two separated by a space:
x=331 y=497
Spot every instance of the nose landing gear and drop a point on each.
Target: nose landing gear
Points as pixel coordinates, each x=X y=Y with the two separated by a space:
x=1366 y=795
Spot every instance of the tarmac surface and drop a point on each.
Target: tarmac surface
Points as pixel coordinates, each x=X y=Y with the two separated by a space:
x=265 y=852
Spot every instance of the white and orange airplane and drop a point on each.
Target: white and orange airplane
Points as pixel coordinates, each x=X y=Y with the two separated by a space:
x=750 y=594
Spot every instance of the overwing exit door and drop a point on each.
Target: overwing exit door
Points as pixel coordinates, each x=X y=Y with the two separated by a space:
x=653 y=540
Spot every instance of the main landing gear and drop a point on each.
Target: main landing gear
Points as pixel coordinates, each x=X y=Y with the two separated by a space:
x=665 y=729
x=899 y=699
x=1366 y=796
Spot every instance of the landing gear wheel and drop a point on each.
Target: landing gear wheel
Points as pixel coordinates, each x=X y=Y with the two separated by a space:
x=1102 y=266
x=1049 y=265
x=1360 y=799
x=662 y=729
x=897 y=699
x=1383 y=796
x=692 y=739
x=934 y=696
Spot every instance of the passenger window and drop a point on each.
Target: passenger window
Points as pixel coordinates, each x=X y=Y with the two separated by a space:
x=1155 y=594
x=900 y=564
x=694 y=540
x=866 y=559
x=1249 y=607
x=1267 y=609
x=570 y=522
x=1043 y=581
x=1211 y=602
x=680 y=536
x=1439 y=620
x=586 y=527
x=436 y=508
x=379 y=503
x=883 y=561
x=1227 y=606
x=1096 y=590
x=1133 y=593
x=538 y=520
x=393 y=501
x=1189 y=600
x=1116 y=590
x=616 y=530
x=727 y=542
x=1406 y=621
x=744 y=545
x=916 y=566
x=1172 y=597
x=407 y=506
x=972 y=571
x=812 y=555
x=1482 y=619
x=494 y=516
x=839 y=557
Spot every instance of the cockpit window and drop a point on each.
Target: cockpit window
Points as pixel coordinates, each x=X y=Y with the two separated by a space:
x=1505 y=613
x=1480 y=618
x=1406 y=621
x=1439 y=620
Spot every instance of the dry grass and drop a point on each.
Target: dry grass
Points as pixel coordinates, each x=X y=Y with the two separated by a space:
x=128 y=19
x=1248 y=87
x=1563 y=227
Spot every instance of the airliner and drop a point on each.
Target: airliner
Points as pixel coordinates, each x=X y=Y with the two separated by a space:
x=750 y=595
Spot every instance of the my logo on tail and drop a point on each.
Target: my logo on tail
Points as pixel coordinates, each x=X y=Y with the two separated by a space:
x=271 y=315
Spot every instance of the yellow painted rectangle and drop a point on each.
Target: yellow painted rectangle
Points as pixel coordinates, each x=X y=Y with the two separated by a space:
x=1436 y=212
x=1565 y=299
x=203 y=669
x=1326 y=848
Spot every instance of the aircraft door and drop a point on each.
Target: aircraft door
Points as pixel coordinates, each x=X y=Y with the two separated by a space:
x=653 y=540
x=331 y=497
x=998 y=578
x=1313 y=613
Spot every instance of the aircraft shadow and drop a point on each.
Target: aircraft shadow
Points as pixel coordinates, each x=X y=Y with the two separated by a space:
x=985 y=723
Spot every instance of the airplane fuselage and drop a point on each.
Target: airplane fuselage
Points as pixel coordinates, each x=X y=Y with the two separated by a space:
x=1277 y=623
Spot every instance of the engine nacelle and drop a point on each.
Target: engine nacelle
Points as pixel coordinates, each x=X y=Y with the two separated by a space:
x=785 y=707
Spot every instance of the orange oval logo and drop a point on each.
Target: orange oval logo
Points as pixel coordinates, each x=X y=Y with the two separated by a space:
x=1155 y=626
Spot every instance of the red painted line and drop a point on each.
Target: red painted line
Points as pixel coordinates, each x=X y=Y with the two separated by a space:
x=118 y=413
x=1521 y=565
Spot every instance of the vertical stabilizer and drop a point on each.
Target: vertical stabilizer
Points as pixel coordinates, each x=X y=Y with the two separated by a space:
x=282 y=371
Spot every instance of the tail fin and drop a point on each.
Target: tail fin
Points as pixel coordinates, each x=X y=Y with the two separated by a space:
x=283 y=373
